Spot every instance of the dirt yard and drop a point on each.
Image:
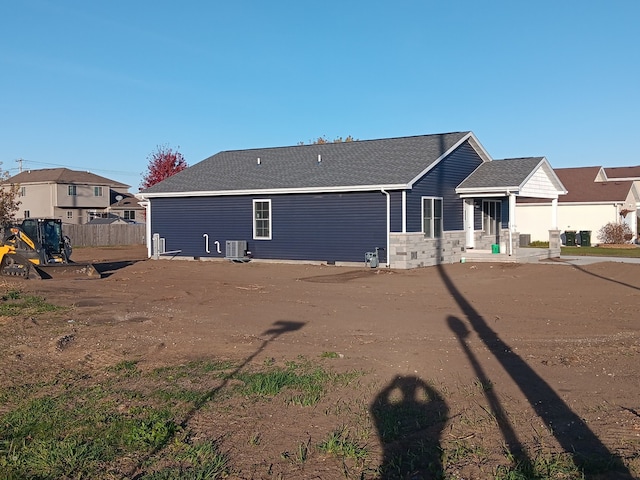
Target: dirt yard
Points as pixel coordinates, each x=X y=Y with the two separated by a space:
x=509 y=363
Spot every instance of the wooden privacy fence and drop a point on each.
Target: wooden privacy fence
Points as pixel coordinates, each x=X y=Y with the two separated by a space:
x=104 y=235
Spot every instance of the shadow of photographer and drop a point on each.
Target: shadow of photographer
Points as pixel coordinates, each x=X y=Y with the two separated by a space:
x=409 y=416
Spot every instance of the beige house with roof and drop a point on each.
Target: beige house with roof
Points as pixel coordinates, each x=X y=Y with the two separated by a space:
x=73 y=196
x=596 y=196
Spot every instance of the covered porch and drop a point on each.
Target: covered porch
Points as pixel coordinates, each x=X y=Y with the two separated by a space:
x=489 y=196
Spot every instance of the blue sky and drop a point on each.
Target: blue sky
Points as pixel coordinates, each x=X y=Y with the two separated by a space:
x=98 y=85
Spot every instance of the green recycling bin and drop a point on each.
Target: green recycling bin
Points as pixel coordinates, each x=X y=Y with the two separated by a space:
x=585 y=238
x=570 y=238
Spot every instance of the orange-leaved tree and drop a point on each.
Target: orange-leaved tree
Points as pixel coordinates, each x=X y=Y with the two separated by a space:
x=164 y=162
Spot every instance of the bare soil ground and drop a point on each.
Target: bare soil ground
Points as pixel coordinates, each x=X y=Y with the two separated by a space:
x=536 y=359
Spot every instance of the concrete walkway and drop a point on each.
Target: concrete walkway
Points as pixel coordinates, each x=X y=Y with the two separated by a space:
x=579 y=260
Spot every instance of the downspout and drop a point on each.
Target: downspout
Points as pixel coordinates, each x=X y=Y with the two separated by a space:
x=147 y=207
x=388 y=224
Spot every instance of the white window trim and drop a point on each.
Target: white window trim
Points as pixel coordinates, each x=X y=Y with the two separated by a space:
x=256 y=201
x=432 y=218
x=97 y=191
x=71 y=188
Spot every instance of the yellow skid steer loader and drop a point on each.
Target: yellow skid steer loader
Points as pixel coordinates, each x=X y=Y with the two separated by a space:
x=37 y=249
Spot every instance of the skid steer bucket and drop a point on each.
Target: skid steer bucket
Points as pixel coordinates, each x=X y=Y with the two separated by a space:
x=66 y=270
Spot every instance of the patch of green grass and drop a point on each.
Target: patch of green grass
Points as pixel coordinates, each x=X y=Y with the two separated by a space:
x=538 y=244
x=16 y=303
x=196 y=368
x=554 y=465
x=198 y=461
x=340 y=443
x=329 y=355
x=301 y=453
x=308 y=381
x=126 y=368
x=601 y=252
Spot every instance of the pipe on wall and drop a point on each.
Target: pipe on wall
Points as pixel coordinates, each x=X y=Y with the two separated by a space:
x=388 y=224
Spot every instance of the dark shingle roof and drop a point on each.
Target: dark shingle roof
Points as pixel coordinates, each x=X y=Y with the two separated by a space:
x=622 y=172
x=507 y=173
x=63 y=175
x=582 y=187
x=358 y=164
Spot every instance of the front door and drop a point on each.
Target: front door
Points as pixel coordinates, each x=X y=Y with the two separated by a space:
x=469 y=219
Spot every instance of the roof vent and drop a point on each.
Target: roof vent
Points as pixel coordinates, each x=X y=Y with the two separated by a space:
x=319 y=159
x=258 y=161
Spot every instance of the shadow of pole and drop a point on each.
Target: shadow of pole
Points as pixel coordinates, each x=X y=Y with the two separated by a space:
x=409 y=416
x=608 y=279
x=571 y=432
x=508 y=433
x=279 y=328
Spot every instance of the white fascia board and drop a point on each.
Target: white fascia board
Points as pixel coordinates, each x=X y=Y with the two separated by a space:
x=482 y=190
x=604 y=202
x=484 y=194
x=273 y=191
x=473 y=141
x=623 y=179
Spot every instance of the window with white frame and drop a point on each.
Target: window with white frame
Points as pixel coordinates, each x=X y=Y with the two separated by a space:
x=27 y=214
x=23 y=191
x=432 y=217
x=491 y=213
x=129 y=214
x=262 y=219
x=97 y=191
x=72 y=191
x=69 y=213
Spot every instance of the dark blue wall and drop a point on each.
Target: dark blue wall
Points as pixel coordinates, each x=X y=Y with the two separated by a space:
x=324 y=227
x=441 y=181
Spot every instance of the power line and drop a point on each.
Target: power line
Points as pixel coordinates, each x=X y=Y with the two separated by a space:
x=57 y=165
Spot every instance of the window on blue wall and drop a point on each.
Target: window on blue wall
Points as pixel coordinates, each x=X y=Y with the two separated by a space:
x=262 y=219
x=432 y=217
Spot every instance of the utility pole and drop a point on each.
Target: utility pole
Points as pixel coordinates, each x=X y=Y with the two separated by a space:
x=20 y=160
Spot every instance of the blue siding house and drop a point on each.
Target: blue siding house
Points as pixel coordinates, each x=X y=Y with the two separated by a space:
x=337 y=203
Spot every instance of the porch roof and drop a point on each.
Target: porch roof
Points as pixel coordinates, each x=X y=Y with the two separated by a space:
x=531 y=176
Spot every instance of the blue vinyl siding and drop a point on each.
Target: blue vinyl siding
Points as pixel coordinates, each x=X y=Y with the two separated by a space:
x=324 y=227
x=396 y=211
x=441 y=181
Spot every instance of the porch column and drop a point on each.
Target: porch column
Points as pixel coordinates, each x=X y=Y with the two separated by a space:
x=554 y=214
x=512 y=212
x=512 y=220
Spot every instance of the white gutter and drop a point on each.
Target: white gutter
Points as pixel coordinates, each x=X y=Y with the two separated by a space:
x=388 y=224
x=147 y=213
x=272 y=191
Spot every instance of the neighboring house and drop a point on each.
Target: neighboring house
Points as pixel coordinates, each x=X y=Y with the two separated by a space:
x=75 y=197
x=594 y=199
x=107 y=221
x=126 y=206
x=421 y=200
